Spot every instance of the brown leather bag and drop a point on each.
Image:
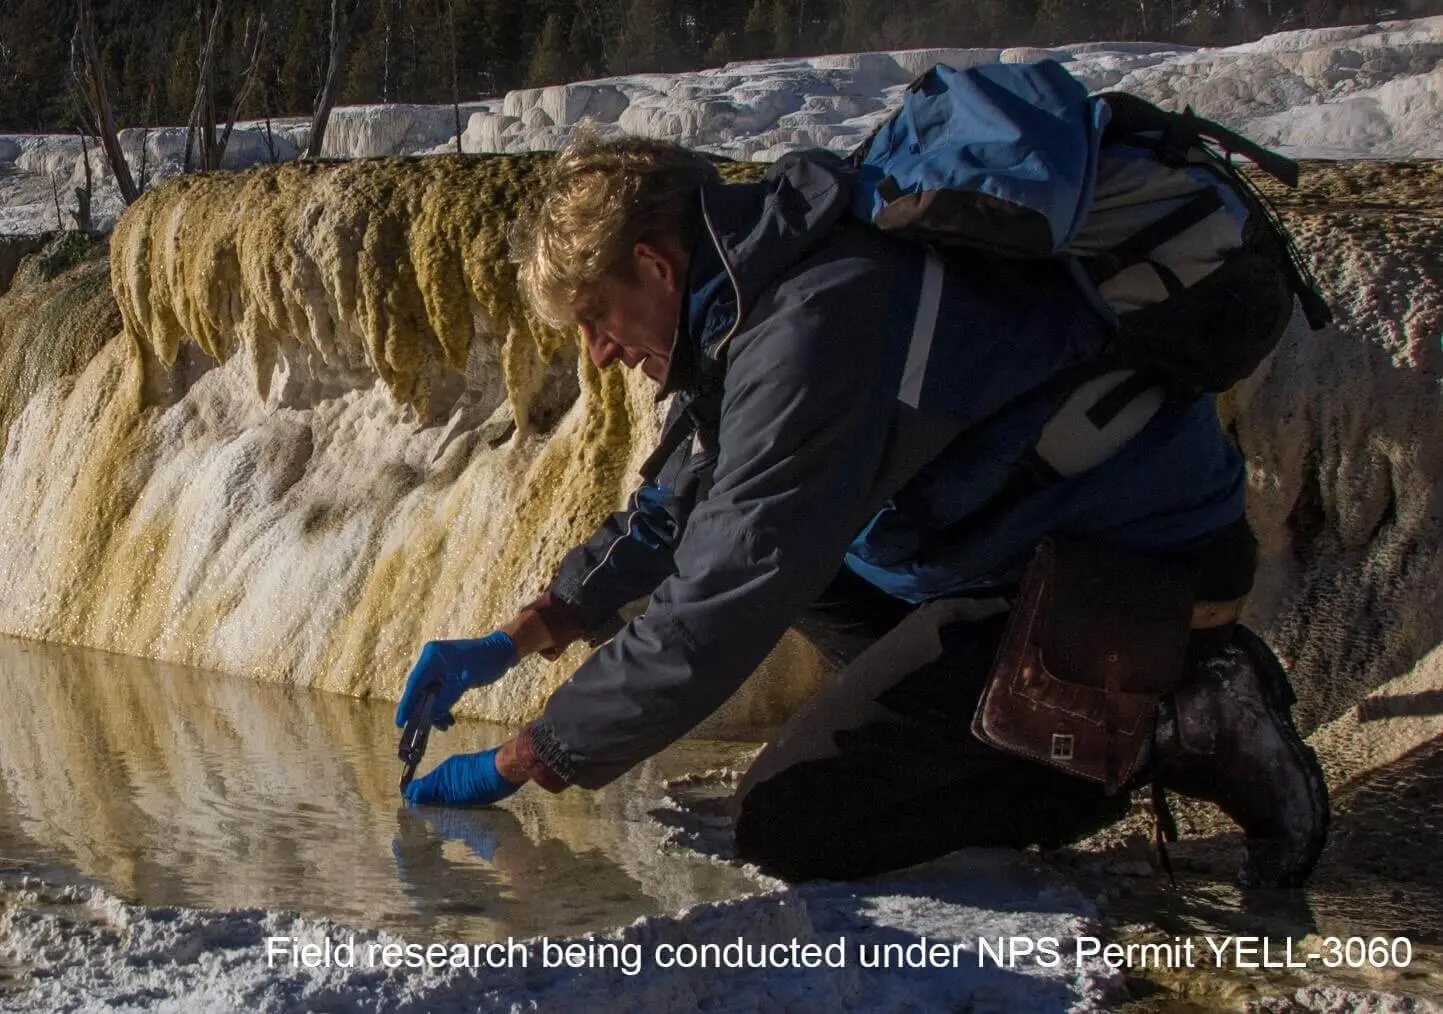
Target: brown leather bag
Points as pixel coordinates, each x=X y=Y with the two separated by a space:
x=1096 y=637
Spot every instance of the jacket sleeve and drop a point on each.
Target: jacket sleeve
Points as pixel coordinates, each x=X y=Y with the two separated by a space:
x=804 y=420
x=627 y=557
x=632 y=550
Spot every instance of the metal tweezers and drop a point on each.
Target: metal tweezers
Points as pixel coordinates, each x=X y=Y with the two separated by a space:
x=415 y=735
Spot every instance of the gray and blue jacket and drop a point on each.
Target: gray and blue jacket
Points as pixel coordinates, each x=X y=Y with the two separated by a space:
x=854 y=395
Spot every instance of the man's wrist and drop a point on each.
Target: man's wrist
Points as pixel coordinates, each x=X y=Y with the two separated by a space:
x=528 y=632
x=508 y=766
x=560 y=619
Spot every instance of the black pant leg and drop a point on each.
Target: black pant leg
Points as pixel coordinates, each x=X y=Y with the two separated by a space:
x=880 y=769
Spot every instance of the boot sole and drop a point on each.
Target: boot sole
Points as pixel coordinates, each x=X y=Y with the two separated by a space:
x=1278 y=697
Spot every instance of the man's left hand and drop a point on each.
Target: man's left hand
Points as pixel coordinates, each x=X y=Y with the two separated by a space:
x=468 y=779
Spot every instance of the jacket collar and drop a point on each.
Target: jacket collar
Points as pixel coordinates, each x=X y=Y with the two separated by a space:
x=751 y=234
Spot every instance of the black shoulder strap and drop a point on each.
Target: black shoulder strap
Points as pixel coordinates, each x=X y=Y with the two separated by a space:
x=1132 y=115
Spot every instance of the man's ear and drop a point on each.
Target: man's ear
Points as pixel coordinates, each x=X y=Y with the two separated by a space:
x=657 y=261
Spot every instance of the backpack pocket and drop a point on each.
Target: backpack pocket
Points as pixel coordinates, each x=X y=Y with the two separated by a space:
x=1213 y=333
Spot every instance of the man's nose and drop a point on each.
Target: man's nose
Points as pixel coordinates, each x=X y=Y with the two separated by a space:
x=602 y=349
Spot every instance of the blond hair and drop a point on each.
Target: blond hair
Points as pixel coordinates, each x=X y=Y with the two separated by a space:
x=601 y=199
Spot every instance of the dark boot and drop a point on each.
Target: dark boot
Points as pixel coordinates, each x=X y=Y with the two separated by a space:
x=1226 y=735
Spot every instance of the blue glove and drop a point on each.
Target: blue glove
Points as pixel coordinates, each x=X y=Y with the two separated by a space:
x=464 y=779
x=454 y=667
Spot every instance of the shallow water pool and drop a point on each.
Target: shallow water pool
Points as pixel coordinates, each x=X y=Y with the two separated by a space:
x=171 y=786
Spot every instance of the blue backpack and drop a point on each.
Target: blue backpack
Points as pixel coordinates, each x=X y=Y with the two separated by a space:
x=1173 y=243
x=1175 y=247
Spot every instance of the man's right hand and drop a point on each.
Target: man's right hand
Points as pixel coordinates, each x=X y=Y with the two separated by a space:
x=469 y=779
x=452 y=668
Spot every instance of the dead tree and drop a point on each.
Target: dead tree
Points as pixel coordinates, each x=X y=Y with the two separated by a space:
x=55 y=193
x=84 y=194
x=200 y=129
x=343 y=18
x=270 y=142
x=89 y=76
x=143 y=179
x=147 y=116
x=202 y=109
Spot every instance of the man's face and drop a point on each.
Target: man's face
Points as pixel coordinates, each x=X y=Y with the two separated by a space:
x=634 y=318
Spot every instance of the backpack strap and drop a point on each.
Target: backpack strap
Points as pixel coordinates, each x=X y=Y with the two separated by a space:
x=1133 y=116
x=1107 y=404
x=1300 y=279
x=1137 y=247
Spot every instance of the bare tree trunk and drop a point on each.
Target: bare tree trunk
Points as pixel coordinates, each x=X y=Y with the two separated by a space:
x=200 y=128
x=81 y=214
x=386 y=55
x=89 y=75
x=247 y=82
x=341 y=23
x=147 y=116
x=83 y=194
x=144 y=167
x=55 y=193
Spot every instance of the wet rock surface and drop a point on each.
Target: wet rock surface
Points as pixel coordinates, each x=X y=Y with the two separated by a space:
x=1378 y=877
x=164 y=826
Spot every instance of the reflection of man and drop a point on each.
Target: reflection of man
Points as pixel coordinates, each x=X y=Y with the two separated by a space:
x=426 y=874
x=515 y=882
x=826 y=372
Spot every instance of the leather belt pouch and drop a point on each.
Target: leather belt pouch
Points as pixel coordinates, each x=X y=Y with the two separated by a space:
x=1096 y=637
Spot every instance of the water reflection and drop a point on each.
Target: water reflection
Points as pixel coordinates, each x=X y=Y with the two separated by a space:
x=171 y=786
